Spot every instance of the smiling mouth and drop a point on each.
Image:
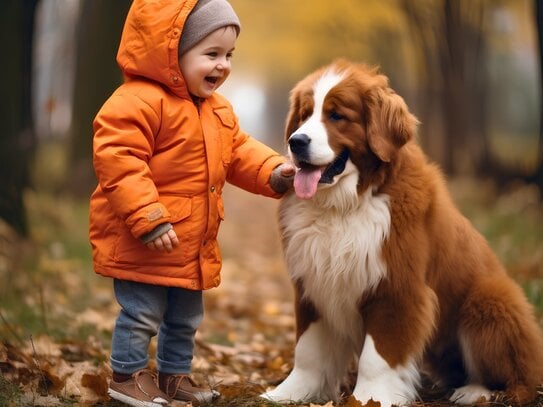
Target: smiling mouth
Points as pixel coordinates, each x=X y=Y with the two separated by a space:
x=212 y=79
x=335 y=168
x=309 y=176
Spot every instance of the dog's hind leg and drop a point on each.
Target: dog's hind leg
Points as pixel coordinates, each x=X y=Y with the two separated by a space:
x=320 y=362
x=501 y=343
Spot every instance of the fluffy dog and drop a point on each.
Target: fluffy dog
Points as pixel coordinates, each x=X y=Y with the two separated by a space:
x=386 y=270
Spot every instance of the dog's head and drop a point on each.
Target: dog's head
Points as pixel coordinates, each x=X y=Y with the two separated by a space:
x=344 y=118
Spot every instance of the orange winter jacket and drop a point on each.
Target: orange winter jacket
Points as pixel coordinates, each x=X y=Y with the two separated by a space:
x=159 y=158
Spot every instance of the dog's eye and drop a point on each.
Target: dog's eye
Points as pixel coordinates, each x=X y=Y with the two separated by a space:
x=335 y=116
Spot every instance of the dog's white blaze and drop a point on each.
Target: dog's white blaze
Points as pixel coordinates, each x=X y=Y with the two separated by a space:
x=319 y=361
x=319 y=149
x=377 y=380
x=337 y=250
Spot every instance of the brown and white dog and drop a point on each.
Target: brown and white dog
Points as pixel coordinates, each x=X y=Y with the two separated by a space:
x=386 y=270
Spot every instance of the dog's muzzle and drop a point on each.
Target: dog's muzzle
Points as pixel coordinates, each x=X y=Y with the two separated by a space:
x=309 y=175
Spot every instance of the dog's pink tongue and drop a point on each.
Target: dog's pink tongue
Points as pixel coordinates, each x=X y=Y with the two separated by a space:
x=306 y=182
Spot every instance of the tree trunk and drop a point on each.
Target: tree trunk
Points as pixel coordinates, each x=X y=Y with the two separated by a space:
x=431 y=131
x=462 y=59
x=453 y=82
x=538 y=175
x=17 y=139
x=97 y=75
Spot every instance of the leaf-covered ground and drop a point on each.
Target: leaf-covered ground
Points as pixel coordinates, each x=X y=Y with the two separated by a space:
x=56 y=316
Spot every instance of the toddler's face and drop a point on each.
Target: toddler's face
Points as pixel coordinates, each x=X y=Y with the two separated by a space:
x=206 y=66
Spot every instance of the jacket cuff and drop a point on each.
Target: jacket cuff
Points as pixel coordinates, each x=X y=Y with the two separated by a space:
x=156 y=232
x=265 y=174
x=147 y=218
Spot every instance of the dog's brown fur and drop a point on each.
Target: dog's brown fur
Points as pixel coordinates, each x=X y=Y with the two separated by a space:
x=443 y=283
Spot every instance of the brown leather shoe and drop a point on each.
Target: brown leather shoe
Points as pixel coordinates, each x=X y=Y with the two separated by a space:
x=181 y=387
x=140 y=390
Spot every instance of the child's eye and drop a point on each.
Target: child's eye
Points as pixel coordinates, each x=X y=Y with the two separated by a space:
x=212 y=54
x=229 y=55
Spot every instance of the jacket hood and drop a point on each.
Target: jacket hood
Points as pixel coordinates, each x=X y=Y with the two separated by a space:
x=150 y=39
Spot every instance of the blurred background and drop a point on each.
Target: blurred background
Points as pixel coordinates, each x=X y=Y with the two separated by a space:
x=470 y=70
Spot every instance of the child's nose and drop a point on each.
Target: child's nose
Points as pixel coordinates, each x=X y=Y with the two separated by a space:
x=223 y=63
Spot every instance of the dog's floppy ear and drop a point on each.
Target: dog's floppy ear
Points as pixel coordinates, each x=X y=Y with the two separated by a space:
x=293 y=118
x=389 y=123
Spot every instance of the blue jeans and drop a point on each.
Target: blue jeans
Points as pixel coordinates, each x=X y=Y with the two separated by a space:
x=175 y=313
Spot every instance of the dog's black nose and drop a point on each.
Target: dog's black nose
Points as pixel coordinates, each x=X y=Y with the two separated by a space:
x=298 y=143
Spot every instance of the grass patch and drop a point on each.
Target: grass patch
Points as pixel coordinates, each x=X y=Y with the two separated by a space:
x=50 y=279
x=10 y=394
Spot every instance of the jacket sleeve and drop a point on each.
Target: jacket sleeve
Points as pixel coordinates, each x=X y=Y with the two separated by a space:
x=124 y=138
x=251 y=162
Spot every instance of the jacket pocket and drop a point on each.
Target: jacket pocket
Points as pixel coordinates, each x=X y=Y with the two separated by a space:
x=226 y=117
x=180 y=207
x=129 y=250
x=227 y=123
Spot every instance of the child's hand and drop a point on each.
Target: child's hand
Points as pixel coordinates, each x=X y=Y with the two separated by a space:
x=165 y=242
x=282 y=178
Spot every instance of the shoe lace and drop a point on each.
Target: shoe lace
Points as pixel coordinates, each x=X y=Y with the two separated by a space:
x=138 y=384
x=177 y=380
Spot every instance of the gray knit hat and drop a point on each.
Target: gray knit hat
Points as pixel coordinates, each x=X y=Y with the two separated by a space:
x=206 y=17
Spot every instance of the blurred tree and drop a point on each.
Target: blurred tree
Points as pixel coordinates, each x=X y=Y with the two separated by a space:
x=463 y=67
x=97 y=75
x=538 y=174
x=17 y=140
x=453 y=63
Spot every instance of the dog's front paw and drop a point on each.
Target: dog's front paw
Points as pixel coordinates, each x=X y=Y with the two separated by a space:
x=277 y=397
x=299 y=386
x=470 y=394
x=285 y=395
x=381 y=395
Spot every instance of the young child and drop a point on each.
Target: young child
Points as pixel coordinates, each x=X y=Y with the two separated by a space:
x=164 y=145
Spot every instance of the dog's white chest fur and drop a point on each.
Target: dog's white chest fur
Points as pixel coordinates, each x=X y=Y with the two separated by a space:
x=336 y=249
